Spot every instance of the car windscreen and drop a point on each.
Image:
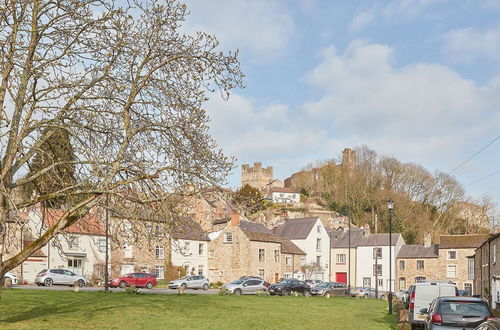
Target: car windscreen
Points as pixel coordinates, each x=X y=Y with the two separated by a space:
x=286 y=281
x=238 y=281
x=43 y=271
x=463 y=308
x=324 y=285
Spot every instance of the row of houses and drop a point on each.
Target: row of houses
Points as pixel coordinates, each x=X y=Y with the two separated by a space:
x=299 y=248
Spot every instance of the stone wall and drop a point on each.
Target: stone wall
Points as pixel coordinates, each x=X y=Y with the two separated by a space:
x=410 y=272
x=462 y=266
x=256 y=176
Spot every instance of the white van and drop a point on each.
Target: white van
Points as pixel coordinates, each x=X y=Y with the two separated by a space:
x=422 y=295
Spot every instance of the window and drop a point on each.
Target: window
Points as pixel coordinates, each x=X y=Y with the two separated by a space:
x=74 y=263
x=125 y=269
x=318 y=260
x=211 y=254
x=128 y=228
x=377 y=253
x=288 y=275
x=221 y=273
x=302 y=261
x=200 y=249
x=128 y=251
x=340 y=258
x=420 y=264
x=468 y=288
x=495 y=254
x=200 y=269
x=73 y=243
x=470 y=268
x=160 y=253
x=367 y=282
x=401 y=264
x=377 y=270
x=228 y=237
x=288 y=261
x=261 y=273
x=318 y=228
x=276 y=255
x=262 y=255
x=101 y=244
x=402 y=283
x=160 y=272
x=452 y=255
x=318 y=244
x=187 y=248
x=380 y=282
x=420 y=279
x=451 y=271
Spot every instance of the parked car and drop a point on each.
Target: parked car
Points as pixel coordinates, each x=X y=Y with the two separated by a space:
x=366 y=292
x=402 y=295
x=190 y=282
x=139 y=279
x=10 y=279
x=48 y=277
x=266 y=283
x=462 y=312
x=313 y=283
x=246 y=286
x=332 y=288
x=289 y=285
x=422 y=296
x=464 y=293
x=491 y=324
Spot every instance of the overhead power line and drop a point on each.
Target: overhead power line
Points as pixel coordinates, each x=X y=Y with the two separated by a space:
x=484 y=177
x=474 y=155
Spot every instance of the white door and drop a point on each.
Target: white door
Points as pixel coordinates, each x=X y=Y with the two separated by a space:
x=75 y=265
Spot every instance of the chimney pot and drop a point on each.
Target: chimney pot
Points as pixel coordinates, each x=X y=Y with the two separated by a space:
x=235 y=220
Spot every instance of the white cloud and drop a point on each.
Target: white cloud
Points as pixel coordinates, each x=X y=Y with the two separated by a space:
x=419 y=110
x=261 y=28
x=362 y=19
x=469 y=44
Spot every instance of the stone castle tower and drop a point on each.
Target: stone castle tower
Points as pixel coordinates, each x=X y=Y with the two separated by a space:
x=349 y=159
x=256 y=176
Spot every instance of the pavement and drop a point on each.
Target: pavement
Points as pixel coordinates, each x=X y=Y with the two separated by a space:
x=100 y=288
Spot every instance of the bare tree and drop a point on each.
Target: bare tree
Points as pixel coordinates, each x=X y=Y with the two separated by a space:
x=128 y=88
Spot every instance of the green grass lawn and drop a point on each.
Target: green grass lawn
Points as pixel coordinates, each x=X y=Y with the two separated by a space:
x=91 y=310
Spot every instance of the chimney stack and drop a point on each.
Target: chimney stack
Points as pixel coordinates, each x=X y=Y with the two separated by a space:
x=427 y=239
x=235 y=219
x=366 y=231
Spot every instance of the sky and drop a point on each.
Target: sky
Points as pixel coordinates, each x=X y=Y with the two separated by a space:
x=418 y=80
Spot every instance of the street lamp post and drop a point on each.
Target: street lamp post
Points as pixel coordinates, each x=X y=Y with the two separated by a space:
x=390 y=207
x=106 y=273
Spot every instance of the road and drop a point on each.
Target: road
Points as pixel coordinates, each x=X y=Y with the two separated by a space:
x=95 y=289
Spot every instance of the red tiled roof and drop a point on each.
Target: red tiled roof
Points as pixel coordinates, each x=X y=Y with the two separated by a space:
x=37 y=253
x=87 y=225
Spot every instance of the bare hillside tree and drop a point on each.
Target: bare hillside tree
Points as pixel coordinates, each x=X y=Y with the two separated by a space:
x=128 y=88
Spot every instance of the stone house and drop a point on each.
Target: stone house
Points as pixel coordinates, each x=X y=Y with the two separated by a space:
x=455 y=262
x=487 y=270
x=292 y=260
x=372 y=260
x=416 y=263
x=312 y=237
x=339 y=261
x=144 y=246
x=246 y=248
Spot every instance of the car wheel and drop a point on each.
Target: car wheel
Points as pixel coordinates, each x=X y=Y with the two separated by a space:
x=48 y=282
x=237 y=292
x=183 y=286
x=307 y=293
x=149 y=285
x=80 y=283
x=123 y=284
x=205 y=286
x=7 y=281
x=346 y=294
x=366 y=296
x=285 y=292
x=382 y=297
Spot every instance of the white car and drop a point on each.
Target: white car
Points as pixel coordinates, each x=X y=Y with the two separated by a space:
x=48 y=277
x=10 y=279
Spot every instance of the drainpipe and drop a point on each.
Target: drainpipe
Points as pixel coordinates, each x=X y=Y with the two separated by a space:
x=489 y=271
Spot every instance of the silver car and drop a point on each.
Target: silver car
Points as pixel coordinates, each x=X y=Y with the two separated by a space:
x=190 y=282
x=47 y=277
x=10 y=279
x=245 y=286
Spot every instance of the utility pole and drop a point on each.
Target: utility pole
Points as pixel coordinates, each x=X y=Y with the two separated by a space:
x=106 y=272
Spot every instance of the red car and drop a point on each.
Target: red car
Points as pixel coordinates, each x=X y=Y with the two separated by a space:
x=137 y=279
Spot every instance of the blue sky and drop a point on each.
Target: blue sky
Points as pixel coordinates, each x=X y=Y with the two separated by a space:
x=418 y=80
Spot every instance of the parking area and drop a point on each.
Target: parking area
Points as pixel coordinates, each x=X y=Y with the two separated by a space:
x=95 y=289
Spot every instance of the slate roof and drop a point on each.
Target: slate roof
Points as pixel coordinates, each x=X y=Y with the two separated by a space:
x=378 y=239
x=418 y=251
x=289 y=247
x=188 y=229
x=296 y=228
x=221 y=220
x=340 y=239
x=470 y=241
x=254 y=227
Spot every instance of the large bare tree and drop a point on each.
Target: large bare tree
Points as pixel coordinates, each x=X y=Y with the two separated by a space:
x=128 y=88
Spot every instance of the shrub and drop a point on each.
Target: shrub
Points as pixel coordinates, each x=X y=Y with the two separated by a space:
x=133 y=290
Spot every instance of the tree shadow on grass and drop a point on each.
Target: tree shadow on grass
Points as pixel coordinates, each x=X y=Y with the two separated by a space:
x=61 y=307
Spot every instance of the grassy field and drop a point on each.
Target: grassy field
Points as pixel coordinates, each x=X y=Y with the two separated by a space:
x=24 y=309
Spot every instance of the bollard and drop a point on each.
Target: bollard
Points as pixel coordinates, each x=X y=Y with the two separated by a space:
x=327 y=295
x=76 y=287
x=181 y=290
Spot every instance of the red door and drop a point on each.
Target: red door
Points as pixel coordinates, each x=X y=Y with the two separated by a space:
x=341 y=277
